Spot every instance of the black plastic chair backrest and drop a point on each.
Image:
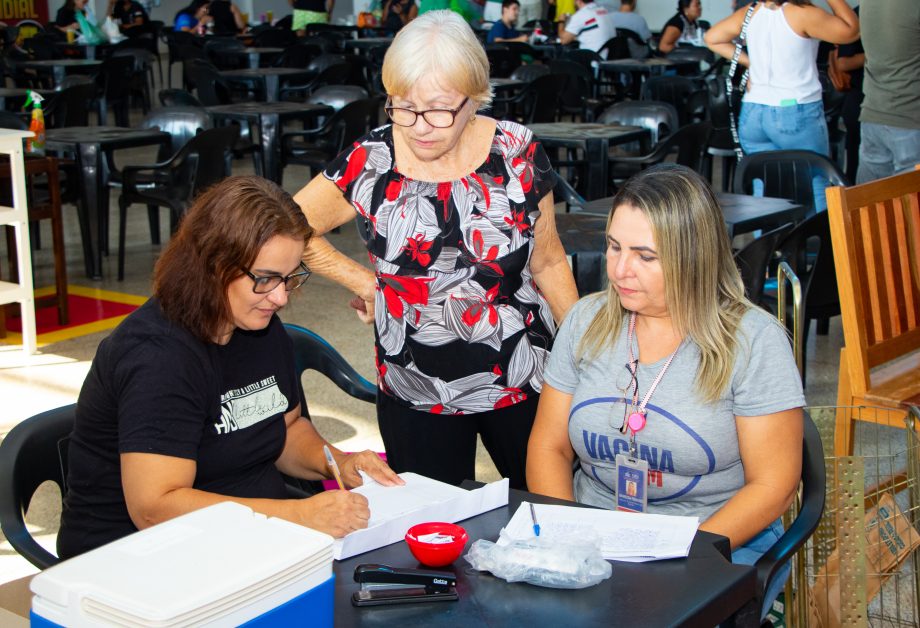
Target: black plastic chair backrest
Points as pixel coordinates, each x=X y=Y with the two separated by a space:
x=352 y=121
x=617 y=47
x=298 y=55
x=326 y=60
x=808 y=250
x=501 y=60
x=530 y=72
x=690 y=141
x=787 y=174
x=32 y=453
x=583 y=57
x=173 y=97
x=116 y=76
x=312 y=352
x=211 y=88
x=337 y=96
x=813 y=496
x=182 y=124
x=275 y=38
x=675 y=90
x=660 y=118
x=210 y=149
x=71 y=105
x=638 y=49
x=754 y=259
x=541 y=97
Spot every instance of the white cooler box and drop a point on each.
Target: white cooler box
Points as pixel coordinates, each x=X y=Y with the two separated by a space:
x=220 y=566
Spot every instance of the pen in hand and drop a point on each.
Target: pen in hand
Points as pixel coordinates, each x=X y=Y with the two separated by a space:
x=330 y=461
x=533 y=517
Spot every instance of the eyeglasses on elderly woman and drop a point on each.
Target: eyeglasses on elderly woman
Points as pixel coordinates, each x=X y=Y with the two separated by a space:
x=438 y=118
x=263 y=284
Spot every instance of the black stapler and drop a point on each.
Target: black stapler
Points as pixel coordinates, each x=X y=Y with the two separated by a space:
x=382 y=584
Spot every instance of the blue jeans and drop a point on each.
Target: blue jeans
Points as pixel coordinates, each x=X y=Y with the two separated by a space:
x=795 y=127
x=886 y=150
x=750 y=552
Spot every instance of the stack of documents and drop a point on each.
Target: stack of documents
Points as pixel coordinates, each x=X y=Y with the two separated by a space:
x=395 y=509
x=626 y=536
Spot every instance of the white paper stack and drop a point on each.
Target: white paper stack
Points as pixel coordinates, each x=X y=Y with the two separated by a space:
x=220 y=566
x=626 y=536
x=395 y=509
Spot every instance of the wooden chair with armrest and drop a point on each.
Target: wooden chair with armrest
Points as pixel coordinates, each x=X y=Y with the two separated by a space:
x=875 y=230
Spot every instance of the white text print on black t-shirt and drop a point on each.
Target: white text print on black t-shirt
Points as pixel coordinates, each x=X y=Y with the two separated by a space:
x=244 y=407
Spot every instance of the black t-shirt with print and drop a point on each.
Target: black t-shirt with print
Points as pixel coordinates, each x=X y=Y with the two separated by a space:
x=154 y=388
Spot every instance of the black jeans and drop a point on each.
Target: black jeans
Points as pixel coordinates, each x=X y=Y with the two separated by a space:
x=443 y=447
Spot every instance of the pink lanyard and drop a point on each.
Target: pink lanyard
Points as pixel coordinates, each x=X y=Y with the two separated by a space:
x=635 y=421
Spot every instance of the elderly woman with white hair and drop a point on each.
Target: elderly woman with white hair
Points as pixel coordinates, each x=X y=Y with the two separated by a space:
x=469 y=275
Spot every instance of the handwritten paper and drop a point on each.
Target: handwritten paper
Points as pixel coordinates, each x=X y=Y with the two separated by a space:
x=395 y=509
x=626 y=536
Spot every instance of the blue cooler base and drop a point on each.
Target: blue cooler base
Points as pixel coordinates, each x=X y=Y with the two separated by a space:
x=314 y=608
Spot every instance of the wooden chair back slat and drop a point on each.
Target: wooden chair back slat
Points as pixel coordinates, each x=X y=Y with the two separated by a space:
x=875 y=230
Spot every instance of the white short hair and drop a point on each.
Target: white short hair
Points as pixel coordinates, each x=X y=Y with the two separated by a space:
x=439 y=44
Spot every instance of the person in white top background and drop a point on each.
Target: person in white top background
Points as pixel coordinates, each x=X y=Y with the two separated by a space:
x=592 y=25
x=782 y=108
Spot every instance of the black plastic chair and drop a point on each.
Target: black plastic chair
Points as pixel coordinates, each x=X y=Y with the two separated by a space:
x=202 y=162
x=537 y=102
x=316 y=147
x=617 y=47
x=530 y=72
x=638 y=49
x=174 y=41
x=182 y=123
x=660 y=118
x=754 y=259
x=172 y=97
x=34 y=452
x=337 y=74
x=297 y=56
x=787 y=174
x=337 y=96
x=812 y=498
x=675 y=90
x=114 y=85
x=502 y=60
x=221 y=52
x=311 y=351
x=577 y=99
x=689 y=141
x=211 y=89
x=274 y=38
x=808 y=250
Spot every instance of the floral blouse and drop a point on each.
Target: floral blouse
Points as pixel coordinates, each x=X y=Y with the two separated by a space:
x=460 y=324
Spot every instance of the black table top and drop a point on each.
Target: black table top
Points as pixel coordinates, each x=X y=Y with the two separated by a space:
x=250 y=109
x=703 y=589
x=67 y=63
x=741 y=212
x=581 y=131
x=260 y=72
x=103 y=135
x=253 y=50
x=648 y=63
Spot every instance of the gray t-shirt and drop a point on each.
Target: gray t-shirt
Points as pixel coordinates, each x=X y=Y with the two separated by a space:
x=691 y=446
x=891 y=38
x=634 y=22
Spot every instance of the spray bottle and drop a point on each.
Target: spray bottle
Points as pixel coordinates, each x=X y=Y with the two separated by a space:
x=36 y=144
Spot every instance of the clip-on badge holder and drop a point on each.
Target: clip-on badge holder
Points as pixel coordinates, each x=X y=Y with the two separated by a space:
x=382 y=584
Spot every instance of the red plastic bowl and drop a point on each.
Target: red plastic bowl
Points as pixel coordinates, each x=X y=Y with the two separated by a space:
x=436 y=554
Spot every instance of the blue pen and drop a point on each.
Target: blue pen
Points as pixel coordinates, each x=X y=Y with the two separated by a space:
x=536 y=526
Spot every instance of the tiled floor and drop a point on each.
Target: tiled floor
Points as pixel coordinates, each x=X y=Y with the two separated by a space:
x=54 y=377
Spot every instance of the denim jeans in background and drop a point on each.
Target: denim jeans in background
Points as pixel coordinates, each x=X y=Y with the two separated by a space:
x=794 y=127
x=886 y=150
x=748 y=554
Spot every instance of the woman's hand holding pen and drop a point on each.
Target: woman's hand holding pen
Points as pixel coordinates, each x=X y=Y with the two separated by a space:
x=371 y=464
x=334 y=512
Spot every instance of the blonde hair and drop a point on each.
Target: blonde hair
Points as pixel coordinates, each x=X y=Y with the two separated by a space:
x=703 y=288
x=439 y=44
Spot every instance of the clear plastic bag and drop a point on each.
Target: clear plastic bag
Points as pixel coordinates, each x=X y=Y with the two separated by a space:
x=542 y=562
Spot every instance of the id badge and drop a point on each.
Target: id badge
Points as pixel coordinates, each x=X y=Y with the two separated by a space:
x=632 y=484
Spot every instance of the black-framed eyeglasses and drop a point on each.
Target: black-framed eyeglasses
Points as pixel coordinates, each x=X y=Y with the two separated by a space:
x=438 y=118
x=263 y=284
